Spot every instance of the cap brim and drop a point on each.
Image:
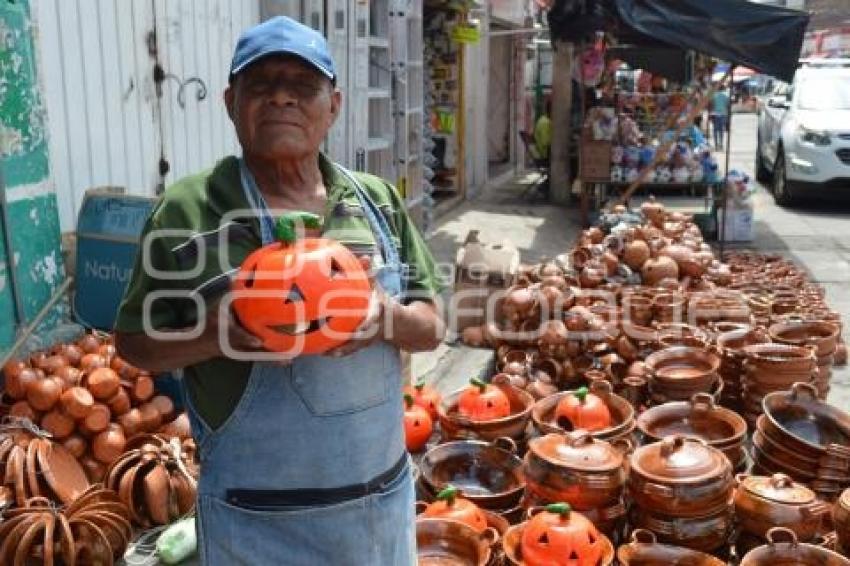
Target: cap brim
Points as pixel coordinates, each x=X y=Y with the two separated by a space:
x=277 y=51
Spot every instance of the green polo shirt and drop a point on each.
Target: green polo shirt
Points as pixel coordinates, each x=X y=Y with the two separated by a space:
x=194 y=242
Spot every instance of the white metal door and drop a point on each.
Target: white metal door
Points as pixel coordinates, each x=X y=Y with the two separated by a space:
x=108 y=122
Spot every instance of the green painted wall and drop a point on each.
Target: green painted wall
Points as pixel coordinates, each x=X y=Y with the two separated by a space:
x=34 y=221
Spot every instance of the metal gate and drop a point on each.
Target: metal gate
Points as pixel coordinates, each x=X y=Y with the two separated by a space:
x=133 y=91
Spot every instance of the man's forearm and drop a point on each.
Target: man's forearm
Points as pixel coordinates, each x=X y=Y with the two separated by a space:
x=156 y=355
x=416 y=327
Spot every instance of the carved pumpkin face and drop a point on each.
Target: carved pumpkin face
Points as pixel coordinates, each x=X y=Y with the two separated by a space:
x=417 y=425
x=309 y=296
x=557 y=536
x=483 y=402
x=425 y=396
x=582 y=410
x=450 y=505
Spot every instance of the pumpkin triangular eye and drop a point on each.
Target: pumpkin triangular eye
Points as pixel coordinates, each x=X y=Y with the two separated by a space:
x=544 y=538
x=489 y=403
x=294 y=296
x=573 y=555
x=249 y=280
x=590 y=538
x=336 y=269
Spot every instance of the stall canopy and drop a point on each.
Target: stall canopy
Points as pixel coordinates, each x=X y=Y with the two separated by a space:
x=765 y=38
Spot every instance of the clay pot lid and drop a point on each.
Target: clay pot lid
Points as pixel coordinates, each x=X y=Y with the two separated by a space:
x=62 y=472
x=577 y=450
x=844 y=499
x=778 y=488
x=679 y=459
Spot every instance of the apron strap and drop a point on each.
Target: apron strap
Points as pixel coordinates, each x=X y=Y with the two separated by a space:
x=257 y=202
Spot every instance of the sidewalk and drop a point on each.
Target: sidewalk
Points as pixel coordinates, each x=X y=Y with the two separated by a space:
x=499 y=214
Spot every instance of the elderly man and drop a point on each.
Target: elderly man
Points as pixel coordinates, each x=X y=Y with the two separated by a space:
x=302 y=462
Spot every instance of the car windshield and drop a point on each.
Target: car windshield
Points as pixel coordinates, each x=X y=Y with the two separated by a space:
x=825 y=93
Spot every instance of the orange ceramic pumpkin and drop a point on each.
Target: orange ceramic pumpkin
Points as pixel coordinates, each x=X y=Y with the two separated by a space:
x=425 y=396
x=417 y=425
x=309 y=296
x=582 y=410
x=557 y=536
x=483 y=402
x=450 y=506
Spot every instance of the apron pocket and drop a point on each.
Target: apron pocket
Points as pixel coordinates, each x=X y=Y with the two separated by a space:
x=327 y=534
x=337 y=386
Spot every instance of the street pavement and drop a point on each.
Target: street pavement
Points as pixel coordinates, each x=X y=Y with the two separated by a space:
x=815 y=234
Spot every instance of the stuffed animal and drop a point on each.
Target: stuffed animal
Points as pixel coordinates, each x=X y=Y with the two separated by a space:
x=663 y=174
x=590 y=65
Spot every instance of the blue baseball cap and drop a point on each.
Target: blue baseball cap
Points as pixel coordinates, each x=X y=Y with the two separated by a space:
x=285 y=36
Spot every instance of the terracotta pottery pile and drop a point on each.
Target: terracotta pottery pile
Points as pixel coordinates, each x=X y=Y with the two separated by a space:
x=578 y=469
x=87 y=398
x=644 y=549
x=730 y=346
x=784 y=548
x=681 y=489
x=678 y=372
x=805 y=438
x=700 y=417
x=820 y=335
x=764 y=502
x=772 y=368
x=841 y=521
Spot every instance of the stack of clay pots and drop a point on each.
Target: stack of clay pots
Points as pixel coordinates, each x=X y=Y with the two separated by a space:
x=681 y=490
x=730 y=346
x=841 y=521
x=764 y=502
x=773 y=367
x=578 y=469
x=805 y=438
x=677 y=373
x=819 y=334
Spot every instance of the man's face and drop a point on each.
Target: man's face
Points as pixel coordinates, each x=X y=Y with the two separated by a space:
x=282 y=108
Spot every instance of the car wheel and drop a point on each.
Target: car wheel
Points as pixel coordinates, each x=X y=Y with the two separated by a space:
x=763 y=174
x=781 y=187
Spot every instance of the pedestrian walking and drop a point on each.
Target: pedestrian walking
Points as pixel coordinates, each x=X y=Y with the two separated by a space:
x=719 y=115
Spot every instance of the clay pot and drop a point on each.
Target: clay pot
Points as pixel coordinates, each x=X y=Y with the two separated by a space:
x=645 y=550
x=659 y=268
x=488 y=474
x=784 y=548
x=443 y=541
x=706 y=533
x=574 y=468
x=637 y=309
x=553 y=339
x=680 y=477
x=654 y=212
x=519 y=357
x=454 y=426
x=820 y=334
x=698 y=418
x=668 y=307
x=622 y=414
x=519 y=304
x=679 y=372
x=635 y=254
x=592 y=275
x=841 y=521
x=689 y=265
x=763 y=502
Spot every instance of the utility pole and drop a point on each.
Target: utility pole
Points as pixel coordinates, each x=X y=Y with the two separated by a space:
x=562 y=97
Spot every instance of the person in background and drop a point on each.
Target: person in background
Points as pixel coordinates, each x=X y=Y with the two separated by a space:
x=719 y=114
x=543 y=132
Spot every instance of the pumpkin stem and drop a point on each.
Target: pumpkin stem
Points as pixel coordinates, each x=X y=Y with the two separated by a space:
x=581 y=393
x=479 y=384
x=408 y=400
x=448 y=495
x=420 y=385
x=562 y=509
x=285 y=229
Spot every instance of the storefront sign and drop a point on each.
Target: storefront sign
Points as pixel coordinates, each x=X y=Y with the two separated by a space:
x=466 y=33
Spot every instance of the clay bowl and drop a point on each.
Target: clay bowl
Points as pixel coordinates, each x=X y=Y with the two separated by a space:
x=783 y=549
x=489 y=475
x=780 y=358
x=808 y=425
x=443 y=542
x=454 y=426
x=645 y=550
x=699 y=418
x=661 y=394
x=512 y=547
x=733 y=342
x=705 y=534
x=821 y=334
x=841 y=520
x=682 y=366
x=622 y=414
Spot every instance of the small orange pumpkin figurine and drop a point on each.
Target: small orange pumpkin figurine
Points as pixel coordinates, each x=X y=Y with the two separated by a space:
x=425 y=396
x=417 y=425
x=450 y=506
x=557 y=536
x=483 y=402
x=284 y=291
x=582 y=409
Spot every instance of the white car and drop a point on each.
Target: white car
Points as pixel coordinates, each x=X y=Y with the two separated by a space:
x=804 y=132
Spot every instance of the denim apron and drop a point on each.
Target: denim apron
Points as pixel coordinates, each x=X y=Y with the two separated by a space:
x=268 y=474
